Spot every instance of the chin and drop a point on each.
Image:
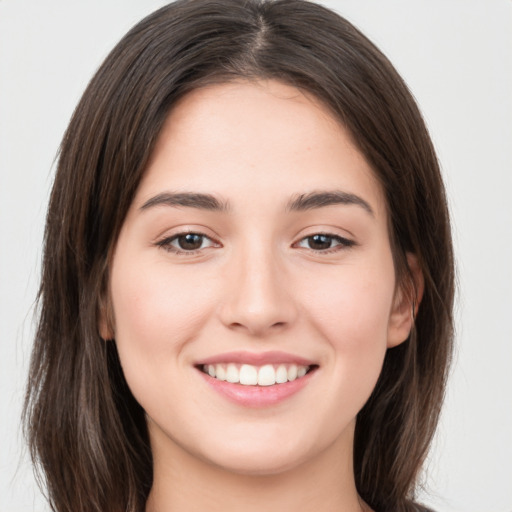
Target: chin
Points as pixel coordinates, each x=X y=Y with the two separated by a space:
x=261 y=463
x=271 y=449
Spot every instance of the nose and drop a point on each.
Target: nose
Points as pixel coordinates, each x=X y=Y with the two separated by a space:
x=257 y=299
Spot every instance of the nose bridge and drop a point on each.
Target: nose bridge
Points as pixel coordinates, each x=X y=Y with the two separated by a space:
x=257 y=299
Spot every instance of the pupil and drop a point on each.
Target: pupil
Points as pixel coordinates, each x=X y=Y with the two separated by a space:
x=190 y=241
x=318 y=242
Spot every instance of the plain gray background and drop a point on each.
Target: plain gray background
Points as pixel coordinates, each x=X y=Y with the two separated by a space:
x=456 y=56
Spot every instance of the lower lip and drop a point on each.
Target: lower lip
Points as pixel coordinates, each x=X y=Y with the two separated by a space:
x=257 y=396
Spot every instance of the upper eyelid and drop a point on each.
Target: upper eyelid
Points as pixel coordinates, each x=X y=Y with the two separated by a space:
x=171 y=233
x=170 y=238
x=328 y=230
x=332 y=232
x=166 y=244
x=330 y=235
x=343 y=241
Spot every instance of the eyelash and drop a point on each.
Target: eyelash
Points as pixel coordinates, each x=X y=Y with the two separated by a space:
x=342 y=243
x=166 y=243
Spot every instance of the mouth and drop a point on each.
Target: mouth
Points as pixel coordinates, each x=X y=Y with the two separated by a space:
x=254 y=375
x=262 y=379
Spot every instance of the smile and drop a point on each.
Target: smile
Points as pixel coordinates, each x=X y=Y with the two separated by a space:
x=262 y=379
x=251 y=375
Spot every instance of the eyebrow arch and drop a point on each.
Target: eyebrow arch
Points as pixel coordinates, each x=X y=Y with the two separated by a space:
x=320 y=199
x=187 y=199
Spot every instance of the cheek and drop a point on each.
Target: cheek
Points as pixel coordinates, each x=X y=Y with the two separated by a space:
x=156 y=313
x=152 y=302
x=352 y=312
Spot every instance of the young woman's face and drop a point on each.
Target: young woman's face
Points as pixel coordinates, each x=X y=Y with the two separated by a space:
x=256 y=250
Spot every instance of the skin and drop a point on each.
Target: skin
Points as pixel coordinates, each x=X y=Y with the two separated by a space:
x=255 y=284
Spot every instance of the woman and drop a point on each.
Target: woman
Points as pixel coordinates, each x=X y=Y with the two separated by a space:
x=248 y=276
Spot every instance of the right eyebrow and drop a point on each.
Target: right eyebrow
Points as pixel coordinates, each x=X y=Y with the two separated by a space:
x=187 y=200
x=321 y=199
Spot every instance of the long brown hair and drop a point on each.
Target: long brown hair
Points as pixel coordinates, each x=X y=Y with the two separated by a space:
x=86 y=432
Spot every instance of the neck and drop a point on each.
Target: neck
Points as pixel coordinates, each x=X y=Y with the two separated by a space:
x=185 y=483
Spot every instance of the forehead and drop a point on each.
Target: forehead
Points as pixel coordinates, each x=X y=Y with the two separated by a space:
x=255 y=140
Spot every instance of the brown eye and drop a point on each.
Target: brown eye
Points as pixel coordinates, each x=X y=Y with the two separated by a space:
x=322 y=242
x=184 y=243
x=189 y=241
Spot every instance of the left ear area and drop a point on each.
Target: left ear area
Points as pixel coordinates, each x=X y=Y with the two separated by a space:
x=406 y=303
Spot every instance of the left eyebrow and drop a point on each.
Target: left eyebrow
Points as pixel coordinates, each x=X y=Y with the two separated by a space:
x=188 y=200
x=320 y=199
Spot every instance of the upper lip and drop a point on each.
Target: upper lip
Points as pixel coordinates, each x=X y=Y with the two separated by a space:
x=256 y=358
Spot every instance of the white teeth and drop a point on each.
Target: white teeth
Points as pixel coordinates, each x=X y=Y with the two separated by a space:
x=266 y=375
x=220 y=372
x=301 y=371
x=292 y=372
x=232 y=373
x=249 y=375
x=281 y=374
